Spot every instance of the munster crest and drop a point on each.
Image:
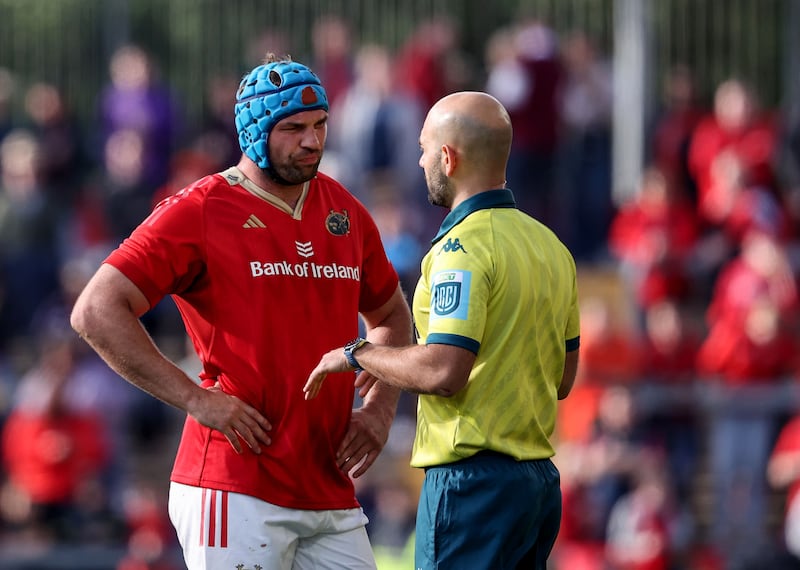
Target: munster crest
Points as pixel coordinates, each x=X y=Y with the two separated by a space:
x=338 y=223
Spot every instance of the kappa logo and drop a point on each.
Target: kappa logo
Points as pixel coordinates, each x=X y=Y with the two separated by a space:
x=453 y=244
x=304 y=249
x=254 y=222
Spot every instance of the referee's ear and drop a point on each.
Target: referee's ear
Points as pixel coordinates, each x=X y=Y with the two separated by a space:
x=450 y=160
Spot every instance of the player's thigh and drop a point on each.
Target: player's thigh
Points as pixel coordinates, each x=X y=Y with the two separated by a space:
x=219 y=529
x=334 y=551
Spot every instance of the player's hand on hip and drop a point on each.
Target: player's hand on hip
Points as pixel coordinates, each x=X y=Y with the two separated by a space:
x=364 y=440
x=235 y=419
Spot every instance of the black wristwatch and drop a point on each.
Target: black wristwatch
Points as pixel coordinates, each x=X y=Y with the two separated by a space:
x=350 y=348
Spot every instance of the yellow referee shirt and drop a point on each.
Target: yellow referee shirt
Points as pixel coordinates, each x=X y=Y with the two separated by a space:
x=500 y=284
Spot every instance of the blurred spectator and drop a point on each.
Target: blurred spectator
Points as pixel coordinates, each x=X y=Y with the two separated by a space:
x=91 y=387
x=641 y=523
x=185 y=166
x=268 y=40
x=675 y=122
x=29 y=231
x=669 y=346
x=577 y=547
x=7 y=85
x=584 y=175
x=60 y=140
x=374 y=132
x=737 y=125
x=609 y=353
x=88 y=227
x=734 y=205
x=525 y=73
x=332 y=55
x=747 y=352
x=607 y=464
x=783 y=474
x=749 y=348
x=669 y=353
x=789 y=168
x=151 y=541
x=608 y=358
x=55 y=454
x=394 y=507
x=217 y=137
x=396 y=222
x=731 y=208
x=429 y=65
x=121 y=183
x=761 y=269
x=136 y=103
x=653 y=236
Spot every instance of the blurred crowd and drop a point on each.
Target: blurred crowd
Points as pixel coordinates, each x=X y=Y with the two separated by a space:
x=679 y=447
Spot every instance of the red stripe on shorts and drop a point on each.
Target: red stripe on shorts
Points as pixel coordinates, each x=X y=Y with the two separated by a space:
x=223 y=531
x=212 y=519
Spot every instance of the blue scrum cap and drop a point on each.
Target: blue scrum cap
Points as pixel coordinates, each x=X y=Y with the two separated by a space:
x=269 y=93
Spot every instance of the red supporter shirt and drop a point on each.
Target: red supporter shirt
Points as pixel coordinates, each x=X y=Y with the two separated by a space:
x=51 y=456
x=754 y=145
x=645 y=237
x=728 y=352
x=263 y=293
x=788 y=443
x=738 y=286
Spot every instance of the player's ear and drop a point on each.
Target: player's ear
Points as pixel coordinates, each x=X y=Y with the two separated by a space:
x=449 y=159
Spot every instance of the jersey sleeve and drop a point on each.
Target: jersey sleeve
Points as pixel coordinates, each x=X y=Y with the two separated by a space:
x=573 y=329
x=164 y=255
x=461 y=277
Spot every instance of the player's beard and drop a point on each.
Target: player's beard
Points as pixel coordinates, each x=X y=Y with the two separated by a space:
x=440 y=188
x=289 y=173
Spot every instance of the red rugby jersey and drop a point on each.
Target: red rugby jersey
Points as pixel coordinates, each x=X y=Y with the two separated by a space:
x=264 y=292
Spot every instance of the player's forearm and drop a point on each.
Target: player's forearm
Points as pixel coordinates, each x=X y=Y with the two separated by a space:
x=391 y=324
x=382 y=399
x=118 y=336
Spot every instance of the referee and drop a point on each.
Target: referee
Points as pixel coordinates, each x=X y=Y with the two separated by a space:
x=496 y=312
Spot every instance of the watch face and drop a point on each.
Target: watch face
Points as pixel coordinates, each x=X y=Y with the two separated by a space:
x=354 y=344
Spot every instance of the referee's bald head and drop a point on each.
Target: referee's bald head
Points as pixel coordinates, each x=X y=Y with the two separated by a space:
x=477 y=126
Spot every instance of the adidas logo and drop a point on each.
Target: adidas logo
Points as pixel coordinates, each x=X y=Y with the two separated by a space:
x=254 y=222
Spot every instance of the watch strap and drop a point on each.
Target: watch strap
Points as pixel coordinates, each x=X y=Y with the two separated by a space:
x=350 y=348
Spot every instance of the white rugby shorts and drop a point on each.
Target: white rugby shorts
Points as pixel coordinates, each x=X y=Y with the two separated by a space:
x=225 y=530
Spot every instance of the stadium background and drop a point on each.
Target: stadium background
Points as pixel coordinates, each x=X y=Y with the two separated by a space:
x=69 y=43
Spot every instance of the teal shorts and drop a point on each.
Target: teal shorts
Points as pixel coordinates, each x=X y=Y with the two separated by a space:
x=488 y=512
